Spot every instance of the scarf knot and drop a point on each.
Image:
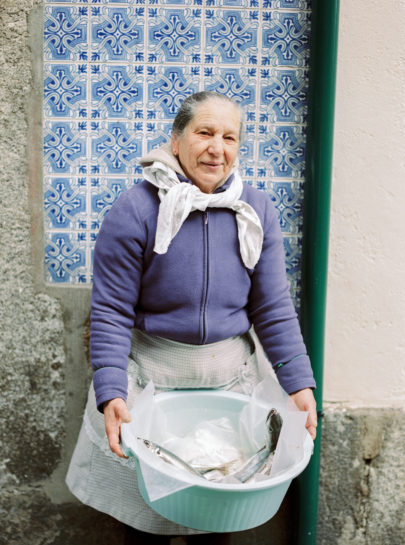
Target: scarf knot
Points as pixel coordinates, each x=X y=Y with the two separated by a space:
x=178 y=199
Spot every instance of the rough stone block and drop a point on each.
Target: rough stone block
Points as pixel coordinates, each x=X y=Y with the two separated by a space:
x=362 y=484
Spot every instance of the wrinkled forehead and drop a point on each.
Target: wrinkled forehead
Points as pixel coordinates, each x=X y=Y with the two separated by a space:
x=218 y=111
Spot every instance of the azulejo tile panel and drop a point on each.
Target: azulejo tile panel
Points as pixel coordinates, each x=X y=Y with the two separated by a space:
x=115 y=73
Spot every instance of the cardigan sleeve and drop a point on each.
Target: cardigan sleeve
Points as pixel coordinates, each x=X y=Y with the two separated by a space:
x=118 y=257
x=272 y=312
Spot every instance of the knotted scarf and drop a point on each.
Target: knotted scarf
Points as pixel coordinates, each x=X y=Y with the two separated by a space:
x=178 y=199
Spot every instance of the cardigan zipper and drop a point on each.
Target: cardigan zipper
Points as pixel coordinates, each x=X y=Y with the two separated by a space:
x=206 y=279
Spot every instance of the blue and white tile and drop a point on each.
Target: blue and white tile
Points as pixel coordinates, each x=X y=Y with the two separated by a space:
x=293 y=258
x=282 y=151
x=261 y=179
x=288 y=198
x=287 y=4
x=108 y=101
x=237 y=3
x=115 y=147
x=65 y=33
x=117 y=34
x=65 y=257
x=174 y=35
x=116 y=91
x=247 y=169
x=65 y=147
x=181 y=3
x=104 y=193
x=65 y=93
x=231 y=37
x=156 y=134
x=168 y=86
x=113 y=2
x=236 y=83
x=285 y=38
x=246 y=151
x=283 y=95
x=65 y=204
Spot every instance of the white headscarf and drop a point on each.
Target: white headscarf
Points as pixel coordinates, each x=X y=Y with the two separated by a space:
x=178 y=199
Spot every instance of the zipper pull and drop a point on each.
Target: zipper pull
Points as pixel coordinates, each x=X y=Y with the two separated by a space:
x=206 y=218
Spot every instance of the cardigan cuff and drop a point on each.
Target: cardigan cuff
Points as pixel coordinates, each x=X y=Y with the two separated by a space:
x=296 y=374
x=109 y=383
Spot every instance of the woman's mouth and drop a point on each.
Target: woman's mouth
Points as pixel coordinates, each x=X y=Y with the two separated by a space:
x=212 y=165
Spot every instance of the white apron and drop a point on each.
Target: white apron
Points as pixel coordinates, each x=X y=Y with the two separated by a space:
x=108 y=483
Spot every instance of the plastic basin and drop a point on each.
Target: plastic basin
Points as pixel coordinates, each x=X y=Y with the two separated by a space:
x=209 y=506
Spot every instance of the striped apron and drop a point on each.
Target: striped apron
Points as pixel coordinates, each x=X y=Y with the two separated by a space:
x=108 y=483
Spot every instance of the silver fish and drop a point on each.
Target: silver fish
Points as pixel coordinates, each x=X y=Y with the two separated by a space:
x=252 y=465
x=225 y=468
x=274 y=423
x=168 y=456
x=218 y=473
x=261 y=461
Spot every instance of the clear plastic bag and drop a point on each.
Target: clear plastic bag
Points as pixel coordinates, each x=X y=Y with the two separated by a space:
x=213 y=442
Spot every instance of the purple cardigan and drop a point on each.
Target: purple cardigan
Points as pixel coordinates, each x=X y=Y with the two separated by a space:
x=198 y=292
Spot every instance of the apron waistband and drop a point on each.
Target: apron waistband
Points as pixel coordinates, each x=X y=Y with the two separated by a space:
x=174 y=365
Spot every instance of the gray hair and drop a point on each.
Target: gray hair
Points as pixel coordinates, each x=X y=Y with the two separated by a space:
x=187 y=110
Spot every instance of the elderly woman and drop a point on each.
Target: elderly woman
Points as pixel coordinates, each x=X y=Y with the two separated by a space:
x=185 y=264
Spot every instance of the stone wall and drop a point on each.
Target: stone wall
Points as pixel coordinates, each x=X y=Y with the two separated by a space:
x=362 y=487
x=44 y=369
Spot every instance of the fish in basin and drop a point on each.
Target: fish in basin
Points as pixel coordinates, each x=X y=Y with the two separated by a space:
x=260 y=462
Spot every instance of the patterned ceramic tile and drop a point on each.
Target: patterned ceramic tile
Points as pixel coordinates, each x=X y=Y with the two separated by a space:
x=168 y=87
x=65 y=33
x=65 y=257
x=288 y=198
x=281 y=150
x=156 y=134
x=65 y=204
x=117 y=34
x=174 y=35
x=283 y=95
x=65 y=147
x=114 y=147
x=287 y=4
x=116 y=91
x=104 y=192
x=285 y=38
x=65 y=90
x=293 y=250
x=231 y=36
x=237 y=83
x=115 y=73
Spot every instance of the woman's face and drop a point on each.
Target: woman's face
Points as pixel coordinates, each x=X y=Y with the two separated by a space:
x=209 y=145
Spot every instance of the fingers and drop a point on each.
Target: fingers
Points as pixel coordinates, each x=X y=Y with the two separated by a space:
x=115 y=412
x=305 y=401
x=312 y=421
x=311 y=431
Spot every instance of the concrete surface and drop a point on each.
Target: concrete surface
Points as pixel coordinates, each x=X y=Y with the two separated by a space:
x=365 y=322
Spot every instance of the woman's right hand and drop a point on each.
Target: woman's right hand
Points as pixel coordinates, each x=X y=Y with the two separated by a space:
x=115 y=413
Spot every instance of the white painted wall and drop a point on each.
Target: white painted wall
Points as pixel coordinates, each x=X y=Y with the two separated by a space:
x=365 y=329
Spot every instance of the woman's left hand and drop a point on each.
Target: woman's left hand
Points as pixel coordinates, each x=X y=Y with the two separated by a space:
x=305 y=401
x=115 y=413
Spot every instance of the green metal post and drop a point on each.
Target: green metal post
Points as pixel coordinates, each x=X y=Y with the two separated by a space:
x=324 y=33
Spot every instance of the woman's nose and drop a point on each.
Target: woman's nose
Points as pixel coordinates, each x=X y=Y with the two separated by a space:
x=215 y=146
